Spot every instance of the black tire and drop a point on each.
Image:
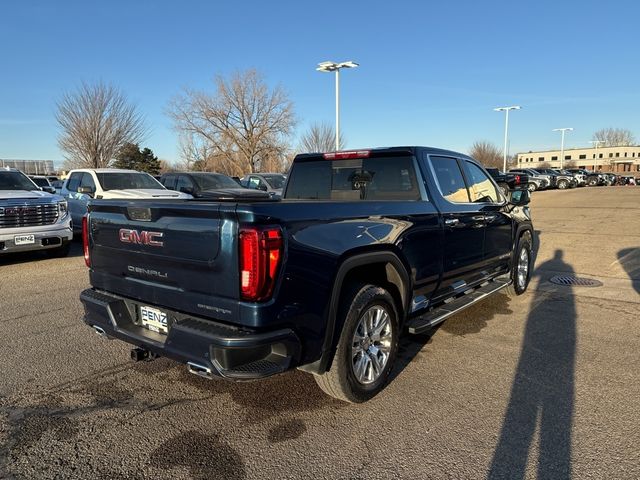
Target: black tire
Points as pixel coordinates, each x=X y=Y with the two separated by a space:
x=341 y=381
x=61 y=251
x=532 y=187
x=562 y=184
x=593 y=182
x=518 y=287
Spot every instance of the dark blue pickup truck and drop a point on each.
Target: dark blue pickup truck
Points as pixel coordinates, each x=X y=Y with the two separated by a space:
x=363 y=246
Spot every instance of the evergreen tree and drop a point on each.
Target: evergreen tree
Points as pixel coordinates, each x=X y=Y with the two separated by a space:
x=130 y=157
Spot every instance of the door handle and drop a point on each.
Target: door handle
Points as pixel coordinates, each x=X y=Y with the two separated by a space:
x=450 y=222
x=478 y=218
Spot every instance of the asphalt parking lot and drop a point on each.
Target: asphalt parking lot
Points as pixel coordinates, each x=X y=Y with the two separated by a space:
x=543 y=386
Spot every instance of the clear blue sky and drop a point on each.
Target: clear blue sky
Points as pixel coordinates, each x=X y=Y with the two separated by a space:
x=430 y=72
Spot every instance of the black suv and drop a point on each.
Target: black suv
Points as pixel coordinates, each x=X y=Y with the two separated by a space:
x=207 y=185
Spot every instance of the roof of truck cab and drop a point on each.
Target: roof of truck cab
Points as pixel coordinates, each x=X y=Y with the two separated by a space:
x=381 y=150
x=104 y=170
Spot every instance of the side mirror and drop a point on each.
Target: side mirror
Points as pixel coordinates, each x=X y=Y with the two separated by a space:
x=86 y=190
x=519 y=198
x=49 y=189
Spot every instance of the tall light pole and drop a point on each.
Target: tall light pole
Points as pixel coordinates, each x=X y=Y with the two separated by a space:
x=335 y=67
x=596 y=143
x=506 y=131
x=565 y=129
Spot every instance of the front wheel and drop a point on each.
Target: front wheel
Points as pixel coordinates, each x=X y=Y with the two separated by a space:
x=367 y=347
x=562 y=184
x=532 y=187
x=521 y=268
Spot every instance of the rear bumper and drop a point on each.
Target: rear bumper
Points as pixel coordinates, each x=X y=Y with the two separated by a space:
x=46 y=237
x=209 y=348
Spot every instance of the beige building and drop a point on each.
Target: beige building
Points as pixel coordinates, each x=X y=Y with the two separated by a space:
x=607 y=159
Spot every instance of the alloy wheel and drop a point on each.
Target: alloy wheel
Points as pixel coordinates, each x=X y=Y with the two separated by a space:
x=371 y=344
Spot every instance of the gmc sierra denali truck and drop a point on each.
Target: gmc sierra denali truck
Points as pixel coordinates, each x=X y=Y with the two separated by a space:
x=31 y=219
x=364 y=246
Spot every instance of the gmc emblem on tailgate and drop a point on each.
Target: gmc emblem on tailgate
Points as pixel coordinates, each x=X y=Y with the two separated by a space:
x=141 y=238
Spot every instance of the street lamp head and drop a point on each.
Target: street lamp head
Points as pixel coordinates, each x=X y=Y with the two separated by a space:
x=333 y=66
x=566 y=129
x=504 y=109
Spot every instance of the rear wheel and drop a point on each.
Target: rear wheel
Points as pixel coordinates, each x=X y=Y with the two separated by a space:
x=522 y=264
x=562 y=184
x=532 y=187
x=367 y=347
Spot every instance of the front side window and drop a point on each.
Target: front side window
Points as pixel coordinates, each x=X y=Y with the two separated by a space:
x=74 y=181
x=87 y=181
x=450 y=179
x=184 y=184
x=481 y=188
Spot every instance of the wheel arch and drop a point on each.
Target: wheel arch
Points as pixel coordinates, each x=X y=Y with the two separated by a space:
x=383 y=268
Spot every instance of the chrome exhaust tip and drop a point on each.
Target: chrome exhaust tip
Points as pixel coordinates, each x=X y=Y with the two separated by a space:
x=100 y=331
x=199 y=370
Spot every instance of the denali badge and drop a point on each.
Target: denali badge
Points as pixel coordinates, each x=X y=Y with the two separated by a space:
x=141 y=238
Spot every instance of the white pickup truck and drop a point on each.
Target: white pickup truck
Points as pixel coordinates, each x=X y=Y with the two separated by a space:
x=31 y=219
x=110 y=183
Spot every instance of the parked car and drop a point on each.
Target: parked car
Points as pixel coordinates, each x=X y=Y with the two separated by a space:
x=364 y=246
x=43 y=183
x=208 y=185
x=591 y=178
x=544 y=181
x=102 y=183
x=31 y=219
x=510 y=181
x=580 y=178
x=268 y=182
x=561 y=180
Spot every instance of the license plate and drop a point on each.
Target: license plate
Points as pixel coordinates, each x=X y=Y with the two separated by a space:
x=24 y=240
x=154 y=319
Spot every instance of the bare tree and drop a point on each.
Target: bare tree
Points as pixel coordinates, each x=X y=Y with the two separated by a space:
x=615 y=137
x=97 y=120
x=487 y=154
x=244 y=123
x=320 y=138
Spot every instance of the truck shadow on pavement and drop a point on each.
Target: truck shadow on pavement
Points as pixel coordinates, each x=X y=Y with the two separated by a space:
x=27 y=257
x=629 y=258
x=542 y=394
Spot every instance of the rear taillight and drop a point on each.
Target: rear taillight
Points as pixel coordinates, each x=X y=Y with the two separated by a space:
x=85 y=240
x=260 y=256
x=517 y=179
x=346 y=155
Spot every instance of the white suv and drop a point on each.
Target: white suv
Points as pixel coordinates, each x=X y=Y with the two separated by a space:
x=31 y=219
x=84 y=184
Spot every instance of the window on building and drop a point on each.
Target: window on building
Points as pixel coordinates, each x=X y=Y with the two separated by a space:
x=600 y=156
x=567 y=157
x=617 y=154
x=594 y=155
x=625 y=154
x=611 y=155
x=554 y=158
x=541 y=159
x=584 y=157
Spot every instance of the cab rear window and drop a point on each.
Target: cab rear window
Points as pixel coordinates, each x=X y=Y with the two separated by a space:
x=378 y=178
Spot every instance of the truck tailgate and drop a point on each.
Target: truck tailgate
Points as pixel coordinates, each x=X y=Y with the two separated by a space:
x=181 y=255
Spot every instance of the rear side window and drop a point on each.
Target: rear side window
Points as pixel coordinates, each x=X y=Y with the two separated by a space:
x=450 y=179
x=169 y=181
x=384 y=178
x=74 y=181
